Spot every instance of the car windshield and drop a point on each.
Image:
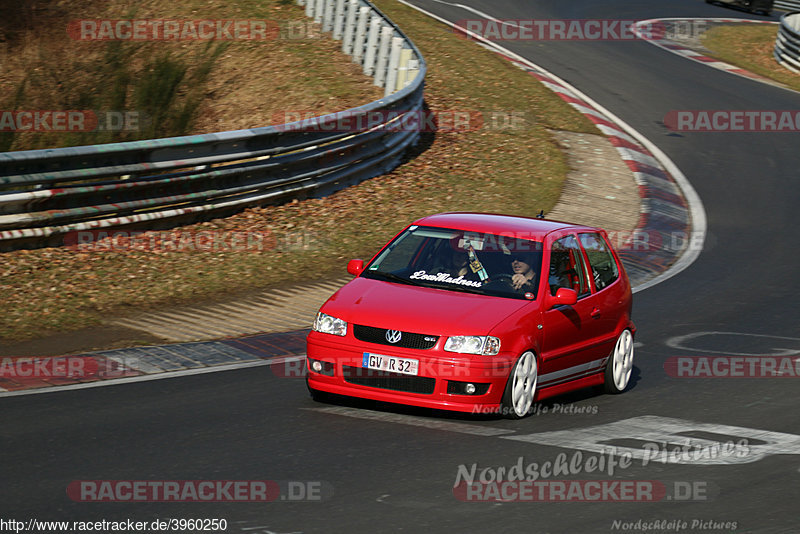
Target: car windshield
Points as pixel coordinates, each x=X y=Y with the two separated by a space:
x=457 y=260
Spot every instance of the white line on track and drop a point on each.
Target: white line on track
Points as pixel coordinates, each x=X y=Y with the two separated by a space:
x=159 y=376
x=696 y=209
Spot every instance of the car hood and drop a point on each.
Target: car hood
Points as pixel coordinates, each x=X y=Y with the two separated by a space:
x=419 y=309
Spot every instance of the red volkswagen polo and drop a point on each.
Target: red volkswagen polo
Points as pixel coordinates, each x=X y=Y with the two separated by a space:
x=477 y=313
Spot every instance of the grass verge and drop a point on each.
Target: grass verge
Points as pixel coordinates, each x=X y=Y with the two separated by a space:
x=513 y=170
x=750 y=47
x=171 y=87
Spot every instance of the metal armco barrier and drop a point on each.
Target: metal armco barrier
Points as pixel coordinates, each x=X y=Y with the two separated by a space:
x=787 y=44
x=787 y=5
x=47 y=193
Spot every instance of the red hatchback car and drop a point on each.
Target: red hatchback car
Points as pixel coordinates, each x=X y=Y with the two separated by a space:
x=477 y=313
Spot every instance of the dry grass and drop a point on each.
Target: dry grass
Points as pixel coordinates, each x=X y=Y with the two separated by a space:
x=750 y=47
x=514 y=171
x=222 y=85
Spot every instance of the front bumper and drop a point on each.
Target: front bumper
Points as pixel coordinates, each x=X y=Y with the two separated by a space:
x=440 y=382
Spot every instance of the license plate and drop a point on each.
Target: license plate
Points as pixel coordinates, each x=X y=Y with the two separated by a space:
x=392 y=364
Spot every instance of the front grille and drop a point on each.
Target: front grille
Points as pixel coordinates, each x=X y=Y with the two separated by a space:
x=386 y=380
x=409 y=340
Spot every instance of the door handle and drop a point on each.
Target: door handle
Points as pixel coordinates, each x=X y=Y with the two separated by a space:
x=595 y=313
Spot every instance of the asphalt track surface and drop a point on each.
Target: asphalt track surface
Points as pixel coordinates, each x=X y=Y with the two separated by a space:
x=393 y=474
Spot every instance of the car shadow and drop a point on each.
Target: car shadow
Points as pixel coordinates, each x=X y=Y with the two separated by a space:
x=572 y=403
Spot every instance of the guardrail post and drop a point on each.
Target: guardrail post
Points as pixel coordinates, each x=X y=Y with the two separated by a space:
x=350 y=27
x=413 y=70
x=394 y=64
x=338 y=20
x=372 y=45
x=327 y=17
x=319 y=10
x=402 y=68
x=361 y=33
x=383 y=56
x=301 y=2
x=310 y=8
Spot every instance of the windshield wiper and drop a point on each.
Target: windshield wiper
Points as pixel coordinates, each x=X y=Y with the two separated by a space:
x=456 y=287
x=392 y=276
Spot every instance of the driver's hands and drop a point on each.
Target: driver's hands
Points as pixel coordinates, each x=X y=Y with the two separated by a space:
x=518 y=280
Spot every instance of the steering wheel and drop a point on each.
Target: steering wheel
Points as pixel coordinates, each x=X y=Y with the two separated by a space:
x=505 y=278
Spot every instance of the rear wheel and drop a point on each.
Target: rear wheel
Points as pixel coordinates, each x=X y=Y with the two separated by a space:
x=521 y=387
x=620 y=364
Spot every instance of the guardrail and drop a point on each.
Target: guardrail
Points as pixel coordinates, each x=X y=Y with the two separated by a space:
x=787 y=5
x=787 y=43
x=47 y=193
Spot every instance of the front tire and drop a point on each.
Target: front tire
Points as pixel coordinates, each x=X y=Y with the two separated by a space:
x=521 y=387
x=620 y=364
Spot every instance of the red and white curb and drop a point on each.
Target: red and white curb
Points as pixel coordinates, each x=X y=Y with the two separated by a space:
x=670 y=205
x=681 y=50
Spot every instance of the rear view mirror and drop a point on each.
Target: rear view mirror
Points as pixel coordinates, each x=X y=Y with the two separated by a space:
x=563 y=297
x=356 y=267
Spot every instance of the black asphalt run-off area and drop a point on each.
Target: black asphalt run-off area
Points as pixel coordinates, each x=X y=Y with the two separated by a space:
x=389 y=476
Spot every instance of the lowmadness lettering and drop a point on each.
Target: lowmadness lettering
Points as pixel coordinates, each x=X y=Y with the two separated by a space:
x=445 y=278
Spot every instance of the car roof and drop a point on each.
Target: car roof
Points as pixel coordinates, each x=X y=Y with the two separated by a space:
x=493 y=223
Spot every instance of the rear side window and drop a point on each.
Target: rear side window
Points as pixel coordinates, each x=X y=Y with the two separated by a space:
x=601 y=261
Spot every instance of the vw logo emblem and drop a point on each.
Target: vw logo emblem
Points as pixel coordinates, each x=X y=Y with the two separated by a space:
x=393 y=336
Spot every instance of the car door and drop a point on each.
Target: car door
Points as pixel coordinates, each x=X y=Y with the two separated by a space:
x=570 y=333
x=610 y=298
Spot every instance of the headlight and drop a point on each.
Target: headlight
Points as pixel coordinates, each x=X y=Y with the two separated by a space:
x=486 y=345
x=328 y=324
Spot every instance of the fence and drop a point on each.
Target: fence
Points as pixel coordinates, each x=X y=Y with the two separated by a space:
x=787 y=44
x=159 y=182
x=787 y=5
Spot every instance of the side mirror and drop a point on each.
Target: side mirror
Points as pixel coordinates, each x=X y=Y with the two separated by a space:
x=356 y=267
x=563 y=297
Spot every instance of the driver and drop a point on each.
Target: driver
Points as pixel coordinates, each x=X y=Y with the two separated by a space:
x=524 y=277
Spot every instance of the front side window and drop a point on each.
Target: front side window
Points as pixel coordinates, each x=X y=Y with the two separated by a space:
x=457 y=260
x=601 y=261
x=566 y=266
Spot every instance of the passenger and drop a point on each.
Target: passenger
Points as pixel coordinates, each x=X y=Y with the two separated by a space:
x=457 y=264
